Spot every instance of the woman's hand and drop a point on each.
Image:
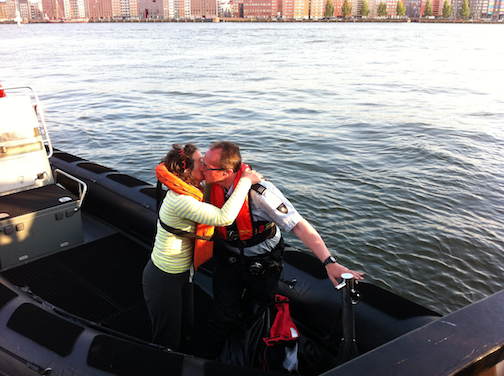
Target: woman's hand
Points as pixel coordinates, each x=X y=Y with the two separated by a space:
x=252 y=175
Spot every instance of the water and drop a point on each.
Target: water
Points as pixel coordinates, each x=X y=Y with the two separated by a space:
x=388 y=138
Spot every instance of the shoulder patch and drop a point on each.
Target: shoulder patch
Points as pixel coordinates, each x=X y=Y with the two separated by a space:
x=282 y=208
x=258 y=188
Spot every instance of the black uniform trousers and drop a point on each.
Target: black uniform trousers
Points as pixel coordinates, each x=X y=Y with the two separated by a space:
x=232 y=276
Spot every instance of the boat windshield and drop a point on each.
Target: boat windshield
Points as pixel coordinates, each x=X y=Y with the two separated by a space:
x=23 y=159
x=19 y=120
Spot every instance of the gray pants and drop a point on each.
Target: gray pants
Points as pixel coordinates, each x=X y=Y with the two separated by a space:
x=169 y=299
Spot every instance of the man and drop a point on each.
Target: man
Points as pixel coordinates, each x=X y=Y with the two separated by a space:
x=248 y=253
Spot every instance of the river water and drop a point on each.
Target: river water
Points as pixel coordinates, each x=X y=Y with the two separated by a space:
x=389 y=138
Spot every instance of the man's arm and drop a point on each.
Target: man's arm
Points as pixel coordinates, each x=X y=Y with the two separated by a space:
x=311 y=238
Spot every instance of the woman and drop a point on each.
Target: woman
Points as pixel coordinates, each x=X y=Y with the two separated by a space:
x=167 y=277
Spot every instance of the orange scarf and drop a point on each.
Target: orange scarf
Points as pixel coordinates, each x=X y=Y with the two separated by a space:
x=203 y=249
x=175 y=184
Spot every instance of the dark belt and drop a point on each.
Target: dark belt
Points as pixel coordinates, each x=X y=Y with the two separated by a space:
x=255 y=265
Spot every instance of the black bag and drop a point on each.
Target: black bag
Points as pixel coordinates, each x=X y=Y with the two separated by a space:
x=244 y=345
x=255 y=342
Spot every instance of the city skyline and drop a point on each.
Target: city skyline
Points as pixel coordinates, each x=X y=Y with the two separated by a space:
x=54 y=10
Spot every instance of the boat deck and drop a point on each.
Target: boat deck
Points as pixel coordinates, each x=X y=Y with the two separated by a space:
x=101 y=281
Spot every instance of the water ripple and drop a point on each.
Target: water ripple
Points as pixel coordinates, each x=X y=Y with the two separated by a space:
x=393 y=155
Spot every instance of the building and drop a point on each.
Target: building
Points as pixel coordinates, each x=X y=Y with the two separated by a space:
x=260 y=9
x=286 y=9
x=78 y=9
x=478 y=8
x=182 y=9
x=225 y=8
x=124 y=9
x=3 y=10
x=437 y=8
x=24 y=9
x=413 y=8
x=338 y=5
x=495 y=10
x=10 y=9
x=53 y=9
x=391 y=7
x=151 y=9
x=317 y=9
x=237 y=8
x=203 y=9
x=36 y=11
x=100 y=9
x=301 y=9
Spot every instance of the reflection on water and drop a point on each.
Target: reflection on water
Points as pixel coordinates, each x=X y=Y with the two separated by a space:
x=388 y=138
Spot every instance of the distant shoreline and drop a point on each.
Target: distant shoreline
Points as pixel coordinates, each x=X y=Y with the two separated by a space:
x=352 y=20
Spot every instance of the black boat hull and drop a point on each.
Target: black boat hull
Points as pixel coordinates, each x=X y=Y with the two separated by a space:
x=38 y=336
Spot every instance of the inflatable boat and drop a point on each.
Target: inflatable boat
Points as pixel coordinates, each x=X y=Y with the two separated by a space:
x=75 y=237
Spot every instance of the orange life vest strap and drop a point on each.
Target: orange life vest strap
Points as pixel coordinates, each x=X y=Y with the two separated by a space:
x=244 y=219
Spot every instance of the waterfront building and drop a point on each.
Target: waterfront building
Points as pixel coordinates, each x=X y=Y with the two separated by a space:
x=495 y=10
x=9 y=9
x=356 y=6
x=499 y=10
x=36 y=11
x=116 y=8
x=286 y=9
x=78 y=9
x=391 y=7
x=260 y=9
x=182 y=9
x=204 y=9
x=124 y=9
x=317 y=9
x=237 y=8
x=129 y=8
x=437 y=8
x=100 y=9
x=301 y=9
x=373 y=7
x=168 y=9
x=478 y=8
x=225 y=8
x=53 y=9
x=456 y=5
x=3 y=10
x=24 y=9
x=413 y=8
x=151 y=9
x=338 y=4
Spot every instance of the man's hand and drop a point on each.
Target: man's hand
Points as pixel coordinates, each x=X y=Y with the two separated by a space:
x=311 y=238
x=335 y=270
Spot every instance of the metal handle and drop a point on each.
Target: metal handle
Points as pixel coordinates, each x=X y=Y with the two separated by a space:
x=346 y=278
x=82 y=186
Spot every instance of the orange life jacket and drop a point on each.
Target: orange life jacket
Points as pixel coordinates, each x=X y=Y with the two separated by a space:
x=203 y=249
x=244 y=219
